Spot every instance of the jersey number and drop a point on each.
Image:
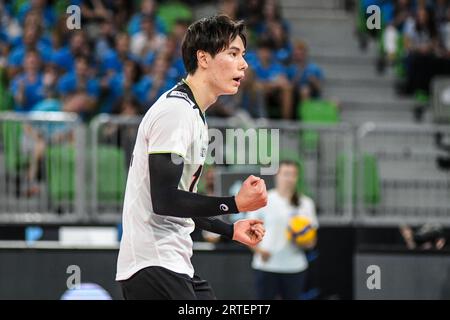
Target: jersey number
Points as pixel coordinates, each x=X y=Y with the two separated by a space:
x=195 y=178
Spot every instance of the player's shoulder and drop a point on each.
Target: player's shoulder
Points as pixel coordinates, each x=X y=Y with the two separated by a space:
x=180 y=94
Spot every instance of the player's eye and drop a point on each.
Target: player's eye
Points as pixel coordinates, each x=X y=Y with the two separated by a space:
x=234 y=54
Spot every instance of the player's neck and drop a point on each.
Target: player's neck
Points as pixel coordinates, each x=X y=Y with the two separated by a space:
x=204 y=96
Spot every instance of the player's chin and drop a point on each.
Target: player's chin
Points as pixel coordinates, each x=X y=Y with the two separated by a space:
x=231 y=89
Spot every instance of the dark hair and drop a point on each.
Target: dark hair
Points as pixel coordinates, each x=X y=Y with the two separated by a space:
x=137 y=69
x=295 y=199
x=211 y=35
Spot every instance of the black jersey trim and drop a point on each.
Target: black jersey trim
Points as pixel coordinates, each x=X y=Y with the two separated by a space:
x=182 y=91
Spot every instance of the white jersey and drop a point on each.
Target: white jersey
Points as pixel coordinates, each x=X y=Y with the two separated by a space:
x=174 y=124
x=285 y=256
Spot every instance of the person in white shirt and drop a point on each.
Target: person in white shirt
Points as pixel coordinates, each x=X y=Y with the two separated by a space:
x=280 y=265
x=161 y=207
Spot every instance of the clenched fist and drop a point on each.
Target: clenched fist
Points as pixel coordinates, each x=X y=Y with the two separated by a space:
x=249 y=231
x=252 y=195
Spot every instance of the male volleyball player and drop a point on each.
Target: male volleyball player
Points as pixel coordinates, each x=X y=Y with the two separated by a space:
x=161 y=207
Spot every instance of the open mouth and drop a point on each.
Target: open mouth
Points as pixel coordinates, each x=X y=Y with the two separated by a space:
x=238 y=79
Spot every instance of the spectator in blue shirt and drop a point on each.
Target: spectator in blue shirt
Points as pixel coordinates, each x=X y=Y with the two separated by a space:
x=271 y=13
x=40 y=6
x=80 y=82
x=148 y=40
x=280 y=39
x=148 y=8
x=29 y=41
x=156 y=83
x=122 y=84
x=306 y=76
x=113 y=60
x=28 y=87
x=105 y=40
x=271 y=78
x=64 y=58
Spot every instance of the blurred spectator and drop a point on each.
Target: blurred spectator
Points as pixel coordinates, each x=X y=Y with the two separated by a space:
x=9 y=29
x=427 y=237
x=421 y=44
x=60 y=35
x=402 y=12
x=179 y=30
x=280 y=265
x=123 y=135
x=81 y=83
x=36 y=138
x=148 y=8
x=122 y=11
x=105 y=40
x=443 y=158
x=95 y=10
x=78 y=46
x=209 y=178
x=148 y=40
x=30 y=41
x=252 y=12
x=280 y=39
x=113 y=60
x=306 y=77
x=229 y=8
x=156 y=82
x=272 y=14
x=270 y=77
x=444 y=31
x=42 y=7
x=121 y=85
x=27 y=87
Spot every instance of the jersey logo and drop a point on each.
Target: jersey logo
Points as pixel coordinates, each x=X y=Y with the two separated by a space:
x=203 y=152
x=180 y=95
x=224 y=207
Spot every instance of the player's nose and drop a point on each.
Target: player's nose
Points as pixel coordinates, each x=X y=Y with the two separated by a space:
x=243 y=65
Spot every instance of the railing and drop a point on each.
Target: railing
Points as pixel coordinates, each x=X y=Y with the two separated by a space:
x=42 y=168
x=373 y=174
x=112 y=141
x=407 y=185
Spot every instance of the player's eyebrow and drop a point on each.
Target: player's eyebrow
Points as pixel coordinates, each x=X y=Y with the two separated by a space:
x=237 y=49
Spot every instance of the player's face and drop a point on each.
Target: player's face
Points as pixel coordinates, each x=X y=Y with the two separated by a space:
x=228 y=68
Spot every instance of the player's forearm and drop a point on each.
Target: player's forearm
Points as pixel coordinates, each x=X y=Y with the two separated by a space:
x=179 y=203
x=215 y=225
x=168 y=200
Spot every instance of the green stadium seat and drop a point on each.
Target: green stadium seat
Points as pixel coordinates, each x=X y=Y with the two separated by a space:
x=15 y=159
x=316 y=111
x=171 y=11
x=60 y=169
x=6 y=99
x=370 y=180
x=111 y=174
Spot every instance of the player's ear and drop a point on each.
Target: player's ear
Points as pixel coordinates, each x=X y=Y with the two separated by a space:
x=203 y=59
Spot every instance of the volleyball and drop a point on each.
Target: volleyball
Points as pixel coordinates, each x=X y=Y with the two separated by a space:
x=300 y=231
